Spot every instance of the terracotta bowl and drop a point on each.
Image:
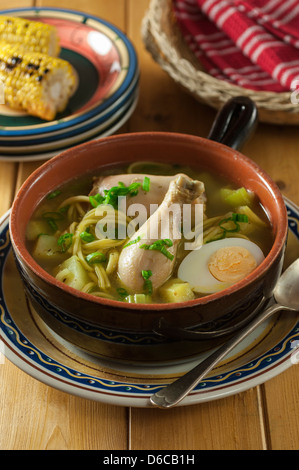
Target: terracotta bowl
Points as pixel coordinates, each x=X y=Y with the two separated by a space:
x=146 y=332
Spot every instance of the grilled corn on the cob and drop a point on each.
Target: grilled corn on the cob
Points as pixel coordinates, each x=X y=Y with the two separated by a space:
x=35 y=82
x=32 y=35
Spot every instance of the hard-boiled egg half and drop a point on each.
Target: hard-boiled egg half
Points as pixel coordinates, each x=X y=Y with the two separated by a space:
x=219 y=264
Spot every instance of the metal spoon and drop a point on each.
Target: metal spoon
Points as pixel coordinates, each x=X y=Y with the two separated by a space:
x=286 y=295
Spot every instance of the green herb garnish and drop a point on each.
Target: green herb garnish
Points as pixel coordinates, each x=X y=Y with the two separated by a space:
x=52 y=218
x=122 y=293
x=146 y=274
x=147 y=286
x=146 y=184
x=132 y=190
x=240 y=218
x=52 y=224
x=236 y=228
x=111 y=195
x=65 y=242
x=96 y=200
x=54 y=194
x=96 y=257
x=132 y=242
x=235 y=218
x=63 y=209
x=86 y=236
x=160 y=245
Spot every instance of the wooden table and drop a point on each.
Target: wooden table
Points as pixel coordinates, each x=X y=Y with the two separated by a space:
x=34 y=416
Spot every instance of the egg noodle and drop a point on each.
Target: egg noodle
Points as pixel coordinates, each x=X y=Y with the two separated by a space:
x=98 y=272
x=82 y=221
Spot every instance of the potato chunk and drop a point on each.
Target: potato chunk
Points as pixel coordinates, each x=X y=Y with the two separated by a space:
x=46 y=249
x=176 y=290
x=72 y=273
x=36 y=228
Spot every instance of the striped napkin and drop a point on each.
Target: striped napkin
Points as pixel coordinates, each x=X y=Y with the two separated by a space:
x=253 y=43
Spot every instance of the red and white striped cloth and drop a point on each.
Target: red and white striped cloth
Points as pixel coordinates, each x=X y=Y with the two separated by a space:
x=251 y=43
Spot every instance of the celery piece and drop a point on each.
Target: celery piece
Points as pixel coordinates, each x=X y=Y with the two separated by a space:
x=138 y=299
x=237 y=197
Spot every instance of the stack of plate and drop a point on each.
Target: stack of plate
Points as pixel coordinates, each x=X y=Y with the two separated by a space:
x=108 y=76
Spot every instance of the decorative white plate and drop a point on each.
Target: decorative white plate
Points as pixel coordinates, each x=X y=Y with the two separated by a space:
x=33 y=347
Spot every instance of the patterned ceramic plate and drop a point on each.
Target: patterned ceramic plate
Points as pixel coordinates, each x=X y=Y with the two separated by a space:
x=103 y=57
x=110 y=127
x=35 y=349
x=18 y=143
x=74 y=137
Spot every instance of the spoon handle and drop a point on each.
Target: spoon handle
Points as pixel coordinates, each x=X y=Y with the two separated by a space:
x=173 y=393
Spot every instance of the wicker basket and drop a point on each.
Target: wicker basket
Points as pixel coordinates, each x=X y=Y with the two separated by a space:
x=164 y=41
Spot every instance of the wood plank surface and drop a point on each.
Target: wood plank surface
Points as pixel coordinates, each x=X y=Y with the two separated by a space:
x=170 y=109
x=35 y=416
x=46 y=418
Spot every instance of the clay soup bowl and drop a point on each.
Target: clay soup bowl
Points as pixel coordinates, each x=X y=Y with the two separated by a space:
x=152 y=332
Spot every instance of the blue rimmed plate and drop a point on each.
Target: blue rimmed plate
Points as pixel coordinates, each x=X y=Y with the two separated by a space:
x=102 y=55
x=109 y=127
x=91 y=129
x=34 y=348
x=18 y=143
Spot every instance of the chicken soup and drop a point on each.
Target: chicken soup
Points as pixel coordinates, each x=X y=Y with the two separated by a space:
x=150 y=233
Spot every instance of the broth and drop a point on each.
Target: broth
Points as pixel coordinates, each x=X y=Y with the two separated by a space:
x=63 y=237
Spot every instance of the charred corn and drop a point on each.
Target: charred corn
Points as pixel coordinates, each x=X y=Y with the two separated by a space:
x=35 y=82
x=32 y=35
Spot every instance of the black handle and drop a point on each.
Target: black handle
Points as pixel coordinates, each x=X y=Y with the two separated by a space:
x=235 y=122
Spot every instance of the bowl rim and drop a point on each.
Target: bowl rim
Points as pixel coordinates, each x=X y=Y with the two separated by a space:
x=24 y=257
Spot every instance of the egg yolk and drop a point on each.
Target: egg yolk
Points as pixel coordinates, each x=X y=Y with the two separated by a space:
x=231 y=263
